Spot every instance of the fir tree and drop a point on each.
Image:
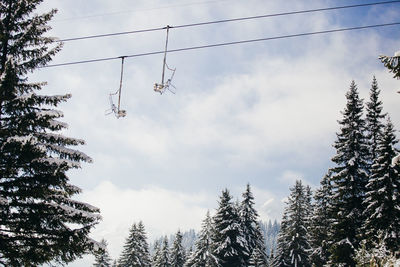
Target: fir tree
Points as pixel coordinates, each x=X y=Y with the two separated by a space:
x=230 y=244
x=281 y=255
x=349 y=178
x=102 y=258
x=298 y=245
x=258 y=256
x=392 y=64
x=203 y=254
x=373 y=120
x=36 y=205
x=163 y=257
x=383 y=196
x=320 y=222
x=178 y=256
x=249 y=218
x=136 y=249
x=156 y=253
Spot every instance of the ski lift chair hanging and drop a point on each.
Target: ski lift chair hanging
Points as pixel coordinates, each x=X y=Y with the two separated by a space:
x=165 y=85
x=118 y=112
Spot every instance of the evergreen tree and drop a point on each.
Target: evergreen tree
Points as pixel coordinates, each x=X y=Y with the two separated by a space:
x=383 y=195
x=178 y=256
x=203 y=255
x=373 y=120
x=163 y=257
x=320 y=222
x=102 y=258
x=297 y=212
x=349 y=178
x=281 y=255
x=392 y=63
x=249 y=219
x=156 y=253
x=230 y=244
x=258 y=256
x=36 y=205
x=136 y=249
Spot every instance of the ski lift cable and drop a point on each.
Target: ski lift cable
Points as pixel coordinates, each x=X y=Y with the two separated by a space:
x=228 y=20
x=223 y=44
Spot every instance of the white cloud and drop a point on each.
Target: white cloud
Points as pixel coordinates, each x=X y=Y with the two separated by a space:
x=162 y=211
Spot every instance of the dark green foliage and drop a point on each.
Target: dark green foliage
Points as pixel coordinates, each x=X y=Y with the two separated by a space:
x=36 y=204
x=136 y=250
x=374 y=118
x=230 y=244
x=102 y=258
x=178 y=256
x=203 y=254
x=349 y=178
x=251 y=229
x=162 y=258
x=383 y=196
x=320 y=223
x=393 y=64
x=293 y=247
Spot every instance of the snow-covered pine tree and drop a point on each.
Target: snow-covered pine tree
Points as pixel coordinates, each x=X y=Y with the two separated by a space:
x=203 y=254
x=143 y=246
x=383 y=195
x=320 y=222
x=249 y=219
x=258 y=256
x=40 y=222
x=281 y=255
x=297 y=212
x=102 y=258
x=349 y=178
x=374 y=116
x=156 y=253
x=136 y=249
x=392 y=64
x=230 y=244
x=178 y=256
x=163 y=257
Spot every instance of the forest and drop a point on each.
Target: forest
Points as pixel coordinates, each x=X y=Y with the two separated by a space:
x=352 y=218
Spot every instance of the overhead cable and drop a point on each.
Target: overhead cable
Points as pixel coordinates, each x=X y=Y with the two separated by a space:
x=223 y=44
x=226 y=20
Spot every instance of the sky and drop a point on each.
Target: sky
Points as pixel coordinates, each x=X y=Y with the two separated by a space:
x=263 y=113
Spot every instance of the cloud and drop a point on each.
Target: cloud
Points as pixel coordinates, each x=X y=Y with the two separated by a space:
x=162 y=211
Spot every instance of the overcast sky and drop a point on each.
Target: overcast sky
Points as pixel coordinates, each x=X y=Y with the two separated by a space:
x=262 y=113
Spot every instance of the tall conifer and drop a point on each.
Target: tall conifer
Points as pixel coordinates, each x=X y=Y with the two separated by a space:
x=40 y=222
x=349 y=178
x=230 y=244
x=383 y=195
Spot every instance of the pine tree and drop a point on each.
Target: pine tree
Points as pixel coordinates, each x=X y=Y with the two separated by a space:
x=258 y=256
x=203 y=254
x=249 y=219
x=102 y=258
x=230 y=244
x=281 y=255
x=156 y=253
x=163 y=257
x=373 y=120
x=297 y=212
x=36 y=205
x=320 y=222
x=136 y=249
x=178 y=256
x=349 y=178
x=392 y=64
x=383 y=195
